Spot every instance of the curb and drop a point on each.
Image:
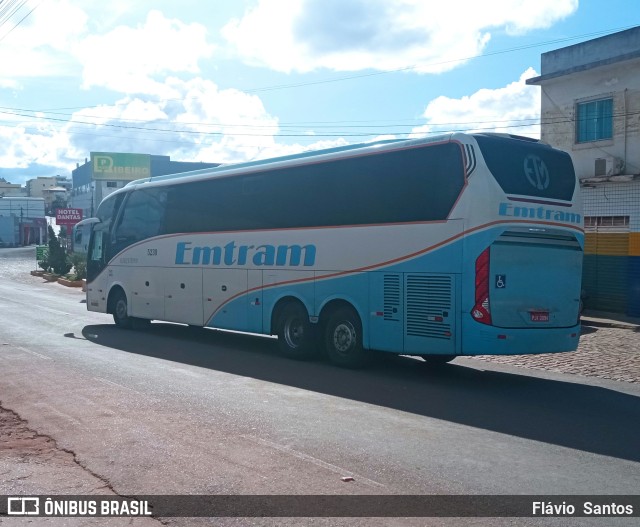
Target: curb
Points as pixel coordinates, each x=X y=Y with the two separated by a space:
x=600 y=323
x=70 y=283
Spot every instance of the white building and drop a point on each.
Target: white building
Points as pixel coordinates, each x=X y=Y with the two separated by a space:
x=22 y=221
x=38 y=186
x=11 y=189
x=591 y=109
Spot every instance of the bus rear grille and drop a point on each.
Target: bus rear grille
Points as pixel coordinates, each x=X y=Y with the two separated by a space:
x=428 y=306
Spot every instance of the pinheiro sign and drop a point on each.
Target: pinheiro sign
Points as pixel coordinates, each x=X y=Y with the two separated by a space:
x=121 y=167
x=68 y=216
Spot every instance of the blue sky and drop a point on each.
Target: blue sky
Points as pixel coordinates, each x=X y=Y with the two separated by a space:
x=233 y=80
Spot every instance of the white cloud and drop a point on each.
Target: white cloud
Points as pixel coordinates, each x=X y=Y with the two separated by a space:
x=61 y=39
x=514 y=109
x=168 y=108
x=24 y=144
x=306 y=35
x=130 y=60
x=202 y=123
x=38 y=47
x=205 y=123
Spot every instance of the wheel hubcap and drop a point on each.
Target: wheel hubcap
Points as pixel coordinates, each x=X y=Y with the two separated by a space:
x=344 y=337
x=121 y=309
x=294 y=333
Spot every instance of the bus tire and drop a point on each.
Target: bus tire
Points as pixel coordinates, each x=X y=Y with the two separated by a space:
x=434 y=361
x=119 y=310
x=343 y=339
x=295 y=332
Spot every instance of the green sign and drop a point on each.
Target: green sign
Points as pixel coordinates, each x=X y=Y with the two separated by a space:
x=120 y=167
x=42 y=251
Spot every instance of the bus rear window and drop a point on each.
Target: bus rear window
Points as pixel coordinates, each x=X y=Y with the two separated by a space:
x=527 y=168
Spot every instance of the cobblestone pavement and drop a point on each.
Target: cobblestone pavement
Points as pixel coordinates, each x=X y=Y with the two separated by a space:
x=605 y=352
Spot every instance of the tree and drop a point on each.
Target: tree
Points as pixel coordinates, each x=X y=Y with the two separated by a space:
x=57 y=260
x=58 y=203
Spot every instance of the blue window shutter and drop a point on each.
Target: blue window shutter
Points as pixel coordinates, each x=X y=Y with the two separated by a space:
x=594 y=121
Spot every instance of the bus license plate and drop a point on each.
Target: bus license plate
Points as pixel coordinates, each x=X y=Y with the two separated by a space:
x=539 y=316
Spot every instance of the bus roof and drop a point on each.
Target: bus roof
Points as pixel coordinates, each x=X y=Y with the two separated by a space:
x=326 y=155
x=233 y=168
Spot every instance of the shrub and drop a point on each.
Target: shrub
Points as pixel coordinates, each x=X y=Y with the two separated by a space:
x=79 y=262
x=44 y=265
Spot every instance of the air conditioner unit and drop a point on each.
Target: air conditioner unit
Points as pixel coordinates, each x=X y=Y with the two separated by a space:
x=608 y=166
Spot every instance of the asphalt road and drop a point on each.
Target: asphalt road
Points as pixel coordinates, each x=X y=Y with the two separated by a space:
x=173 y=410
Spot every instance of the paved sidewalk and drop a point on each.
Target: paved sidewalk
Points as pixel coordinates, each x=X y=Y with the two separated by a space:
x=610 y=320
x=609 y=348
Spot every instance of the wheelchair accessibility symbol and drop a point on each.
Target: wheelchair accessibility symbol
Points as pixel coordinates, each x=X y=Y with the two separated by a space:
x=501 y=281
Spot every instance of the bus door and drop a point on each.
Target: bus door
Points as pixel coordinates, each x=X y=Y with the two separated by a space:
x=386 y=330
x=254 y=301
x=224 y=298
x=183 y=295
x=96 y=262
x=147 y=292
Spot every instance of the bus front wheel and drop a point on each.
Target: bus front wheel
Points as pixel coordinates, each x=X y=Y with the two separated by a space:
x=119 y=310
x=343 y=339
x=295 y=333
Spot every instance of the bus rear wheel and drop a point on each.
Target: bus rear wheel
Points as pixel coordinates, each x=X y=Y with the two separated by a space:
x=343 y=339
x=119 y=310
x=295 y=333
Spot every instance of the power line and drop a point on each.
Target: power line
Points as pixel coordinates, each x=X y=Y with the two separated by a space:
x=8 y=8
x=366 y=129
x=390 y=129
x=20 y=21
x=339 y=132
x=387 y=72
x=280 y=125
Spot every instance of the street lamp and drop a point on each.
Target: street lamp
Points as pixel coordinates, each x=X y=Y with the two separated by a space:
x=92 y=187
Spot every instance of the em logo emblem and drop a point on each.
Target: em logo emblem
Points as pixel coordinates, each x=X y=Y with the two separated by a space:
x=536 y=171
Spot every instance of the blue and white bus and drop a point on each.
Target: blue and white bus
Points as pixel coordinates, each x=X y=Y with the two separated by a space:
x=462 y=244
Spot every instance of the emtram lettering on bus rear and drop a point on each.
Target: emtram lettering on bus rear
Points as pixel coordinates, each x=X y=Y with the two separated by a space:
x=538 y=213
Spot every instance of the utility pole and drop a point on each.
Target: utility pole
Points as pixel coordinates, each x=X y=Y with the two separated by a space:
x=21 y=236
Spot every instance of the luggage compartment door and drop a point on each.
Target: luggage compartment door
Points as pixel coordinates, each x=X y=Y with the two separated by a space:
x=430 y=315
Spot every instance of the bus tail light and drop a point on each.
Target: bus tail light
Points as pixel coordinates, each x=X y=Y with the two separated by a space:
x=481 y=311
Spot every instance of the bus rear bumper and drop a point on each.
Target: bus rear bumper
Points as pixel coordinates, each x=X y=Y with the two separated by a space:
x=489 y=340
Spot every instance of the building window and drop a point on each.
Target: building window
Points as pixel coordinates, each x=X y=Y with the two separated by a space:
x=595 y=223
x=594 y=120
x=112 y=184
